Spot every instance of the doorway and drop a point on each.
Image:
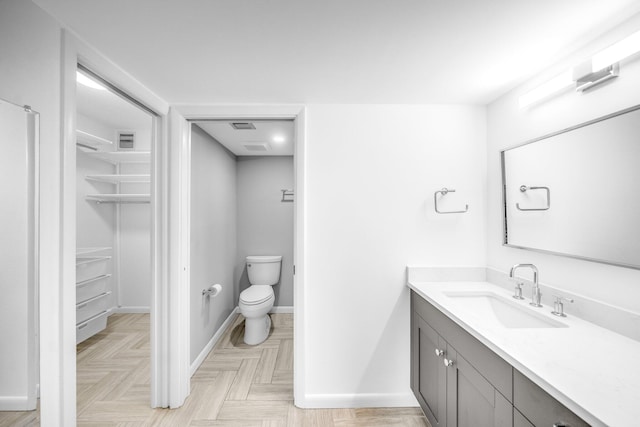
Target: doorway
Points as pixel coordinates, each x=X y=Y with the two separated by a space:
x=114 y=139
x=181 y=120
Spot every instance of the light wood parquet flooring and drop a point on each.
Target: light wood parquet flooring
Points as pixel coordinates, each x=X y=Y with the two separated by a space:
x=236 y=385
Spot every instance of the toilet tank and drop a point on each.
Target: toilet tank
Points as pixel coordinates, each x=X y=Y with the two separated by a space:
x=264 y=270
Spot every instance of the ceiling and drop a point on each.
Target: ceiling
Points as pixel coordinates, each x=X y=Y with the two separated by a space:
x=110 y=109
x=337 y=51
x=269 y=138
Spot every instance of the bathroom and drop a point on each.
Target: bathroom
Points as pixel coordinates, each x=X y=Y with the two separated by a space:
x=373 y=159
x=242 y=186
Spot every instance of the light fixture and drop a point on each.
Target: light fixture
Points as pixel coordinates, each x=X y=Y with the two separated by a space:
x=86 y=81
x=616 y=52
x=601 y=67
x=591 y=79
x=553 y=86
x=278 y=139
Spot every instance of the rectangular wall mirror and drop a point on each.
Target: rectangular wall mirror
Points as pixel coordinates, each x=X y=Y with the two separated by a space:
x=575 y=192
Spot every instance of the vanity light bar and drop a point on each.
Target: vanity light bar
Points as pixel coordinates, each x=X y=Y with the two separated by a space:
x=553 y=86
x=600 y=68
x=616 y=52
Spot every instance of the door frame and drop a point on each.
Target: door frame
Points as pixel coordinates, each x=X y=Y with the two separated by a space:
x=57 y=249
x=297 y=113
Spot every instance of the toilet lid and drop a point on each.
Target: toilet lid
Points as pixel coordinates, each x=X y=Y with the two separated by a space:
x=256 y=295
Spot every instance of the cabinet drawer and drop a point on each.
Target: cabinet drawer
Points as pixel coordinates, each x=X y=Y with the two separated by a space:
x=92 y=307
x=92 y=288
x=91 y=326
x=91 y=267
x=519 y=420
x=539 y=407
x=495 y=369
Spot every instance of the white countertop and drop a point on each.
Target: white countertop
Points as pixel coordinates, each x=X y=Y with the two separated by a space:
x=591 y=370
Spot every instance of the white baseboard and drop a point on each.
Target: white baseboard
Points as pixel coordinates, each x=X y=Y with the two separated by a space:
x=284 y=309
x=127 y=309
x=363 y=400
x=16 y=403
x=212 y=342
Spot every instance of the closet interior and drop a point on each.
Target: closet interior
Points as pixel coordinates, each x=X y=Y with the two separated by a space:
x=113 y=217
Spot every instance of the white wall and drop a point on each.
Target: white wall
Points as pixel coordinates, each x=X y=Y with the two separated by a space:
x=17 y=260
x=509 y=125
x=134 y=232
x=213 y=236
x=95 y=224
x=30 y=69
x=371 y=174
x=265 y=224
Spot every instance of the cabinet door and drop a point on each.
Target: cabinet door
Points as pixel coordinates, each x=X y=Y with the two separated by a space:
x=428 y=377
x=472 y=400
x=519 y=420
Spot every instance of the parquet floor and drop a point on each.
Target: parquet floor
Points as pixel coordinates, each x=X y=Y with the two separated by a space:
x=237 y=385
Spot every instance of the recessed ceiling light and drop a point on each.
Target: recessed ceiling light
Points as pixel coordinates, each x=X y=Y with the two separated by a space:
x=278 y=139
x=86 y=81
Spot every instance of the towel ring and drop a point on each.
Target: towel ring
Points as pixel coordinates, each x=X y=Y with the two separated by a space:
x=444 y=192
x=524 y=188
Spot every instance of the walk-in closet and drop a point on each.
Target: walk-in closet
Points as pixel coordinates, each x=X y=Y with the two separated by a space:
x=113 y=266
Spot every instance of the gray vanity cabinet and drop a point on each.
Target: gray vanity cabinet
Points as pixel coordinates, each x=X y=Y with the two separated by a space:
x=450 y=390
x=540 y=407
x=473 y=400
x=429 y=375
x=460 y=382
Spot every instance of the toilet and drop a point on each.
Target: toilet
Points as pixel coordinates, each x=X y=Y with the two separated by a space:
x=257 y=300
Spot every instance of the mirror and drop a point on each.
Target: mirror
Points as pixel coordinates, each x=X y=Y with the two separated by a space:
x=575 y=192
x=18 y=258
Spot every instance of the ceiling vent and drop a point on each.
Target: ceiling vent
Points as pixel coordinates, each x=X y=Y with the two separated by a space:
x=257 y=147
x=126 y=140
x=242 y=125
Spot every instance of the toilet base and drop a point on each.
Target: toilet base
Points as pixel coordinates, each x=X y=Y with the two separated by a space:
x=256 y=330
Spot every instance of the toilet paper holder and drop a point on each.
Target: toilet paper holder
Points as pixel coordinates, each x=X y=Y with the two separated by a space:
x=212 y=291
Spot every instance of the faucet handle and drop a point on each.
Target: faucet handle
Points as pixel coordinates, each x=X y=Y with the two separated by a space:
x=558 y=306
x=517 y=293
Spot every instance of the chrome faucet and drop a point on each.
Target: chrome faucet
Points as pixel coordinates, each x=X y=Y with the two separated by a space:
x=535 y=291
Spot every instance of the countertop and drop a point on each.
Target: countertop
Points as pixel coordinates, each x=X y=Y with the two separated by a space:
x=591 y=370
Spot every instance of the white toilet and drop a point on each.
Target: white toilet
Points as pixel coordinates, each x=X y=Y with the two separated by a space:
x=257 y=300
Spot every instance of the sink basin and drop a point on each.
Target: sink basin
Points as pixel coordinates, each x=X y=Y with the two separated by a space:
x=507 y=313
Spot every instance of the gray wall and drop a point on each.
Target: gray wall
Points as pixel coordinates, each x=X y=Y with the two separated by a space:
x=213 y=236
x=265 y=224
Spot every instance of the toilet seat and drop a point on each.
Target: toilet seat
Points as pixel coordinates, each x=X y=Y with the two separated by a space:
x=255 y=295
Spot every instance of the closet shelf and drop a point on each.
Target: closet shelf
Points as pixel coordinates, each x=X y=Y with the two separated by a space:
x=117 y=157
x=90 y=259
x=92 y=142
x=92 y=280
x=119 y=179
x=119 y=198
x=84 y=252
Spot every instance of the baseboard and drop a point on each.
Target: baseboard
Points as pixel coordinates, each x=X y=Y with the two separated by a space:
x=130 y=310
x=16 y=403
x=363 y=400
x=283 y=309
x=212 y=342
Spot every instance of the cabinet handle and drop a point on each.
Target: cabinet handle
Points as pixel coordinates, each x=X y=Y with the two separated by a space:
x=448 y=362
x=439 y=352
x=561 y=424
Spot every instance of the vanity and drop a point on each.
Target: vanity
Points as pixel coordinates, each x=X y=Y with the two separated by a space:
x=479 y=357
